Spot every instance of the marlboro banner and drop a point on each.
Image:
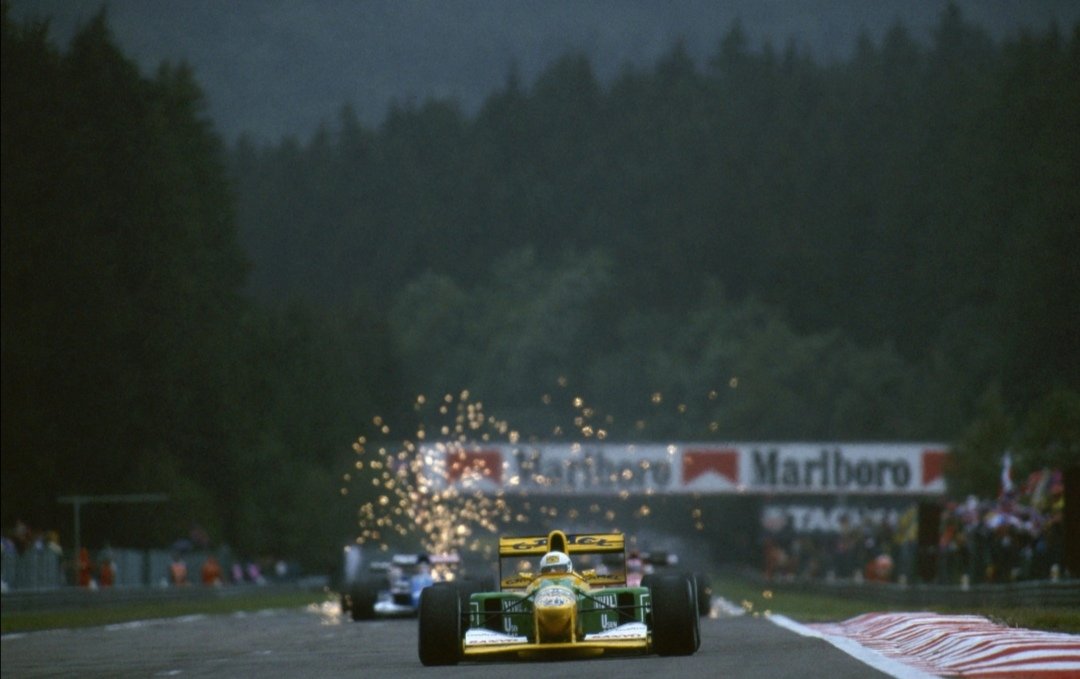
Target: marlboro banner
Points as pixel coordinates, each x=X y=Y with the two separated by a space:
x=704 y=468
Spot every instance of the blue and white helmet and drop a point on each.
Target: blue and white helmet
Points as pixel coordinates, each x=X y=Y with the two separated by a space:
x=555 y=562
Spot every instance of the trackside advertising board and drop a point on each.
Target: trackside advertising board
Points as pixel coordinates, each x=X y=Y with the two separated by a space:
x=707 y=468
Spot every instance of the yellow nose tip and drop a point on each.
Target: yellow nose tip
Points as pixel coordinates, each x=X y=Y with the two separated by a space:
x=555 y=623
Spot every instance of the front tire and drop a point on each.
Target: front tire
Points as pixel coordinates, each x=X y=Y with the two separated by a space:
x=362 y=598
x=467 y=587
x=440 y=625
x=674 y=616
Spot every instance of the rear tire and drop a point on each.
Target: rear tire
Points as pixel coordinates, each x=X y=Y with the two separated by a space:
x=695 y=596
x=674 y=616
x=704 y=594
x=440 y=625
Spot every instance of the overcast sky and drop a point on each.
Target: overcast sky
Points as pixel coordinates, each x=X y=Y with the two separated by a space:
x=279 y=67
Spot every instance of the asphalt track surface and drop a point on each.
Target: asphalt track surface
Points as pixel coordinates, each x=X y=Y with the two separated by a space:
x=319 y=642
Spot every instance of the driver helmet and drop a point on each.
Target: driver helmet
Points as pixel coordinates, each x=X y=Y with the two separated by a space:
x=555 y=562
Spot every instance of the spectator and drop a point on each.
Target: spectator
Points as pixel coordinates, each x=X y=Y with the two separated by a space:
x=178 y=571
x=107 y=572
x=85 y=573
x=776 y=559
x=211 y=572
x=880 y=569
x=906 y=539
x=1018 y=536
x=254 y=574
x=22 y=536
x=52 y=542
x=8 y=557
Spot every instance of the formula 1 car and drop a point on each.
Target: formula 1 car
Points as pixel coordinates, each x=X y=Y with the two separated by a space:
x=643 y=567
x=392 y=588
x=559 y=612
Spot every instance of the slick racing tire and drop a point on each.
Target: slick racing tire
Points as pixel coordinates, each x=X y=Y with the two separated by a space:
x=362 y=597
x=440 y=625
x=674 y=616
x=467 y=587
x=702 y=592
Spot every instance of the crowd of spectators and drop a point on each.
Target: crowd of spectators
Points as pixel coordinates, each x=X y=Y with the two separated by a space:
x=22 y=544
x=33 y=559
x=878 y=550
x=1019 y=536
x=1016 y=536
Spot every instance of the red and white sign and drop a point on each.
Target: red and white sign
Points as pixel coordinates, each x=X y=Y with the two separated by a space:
x=750 y=468
x=462 y=463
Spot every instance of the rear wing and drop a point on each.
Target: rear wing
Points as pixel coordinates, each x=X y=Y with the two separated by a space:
x=582 y=543
x=401 y=560
x=608 y=574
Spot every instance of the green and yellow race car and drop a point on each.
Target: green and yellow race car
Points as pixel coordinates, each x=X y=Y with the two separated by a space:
x=557 y=610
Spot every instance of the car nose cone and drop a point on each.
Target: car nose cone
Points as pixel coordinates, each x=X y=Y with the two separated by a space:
x=555 y=609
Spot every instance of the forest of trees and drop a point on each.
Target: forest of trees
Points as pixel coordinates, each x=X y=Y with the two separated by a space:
x=760 y=247
x=134 y=360
x=877 y=249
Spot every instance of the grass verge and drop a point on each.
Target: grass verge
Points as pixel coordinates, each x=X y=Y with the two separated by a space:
x=806 y=607
x=754 y=598
x=30 y=621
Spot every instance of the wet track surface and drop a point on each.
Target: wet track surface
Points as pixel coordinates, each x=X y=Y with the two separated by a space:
x=321 y=643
